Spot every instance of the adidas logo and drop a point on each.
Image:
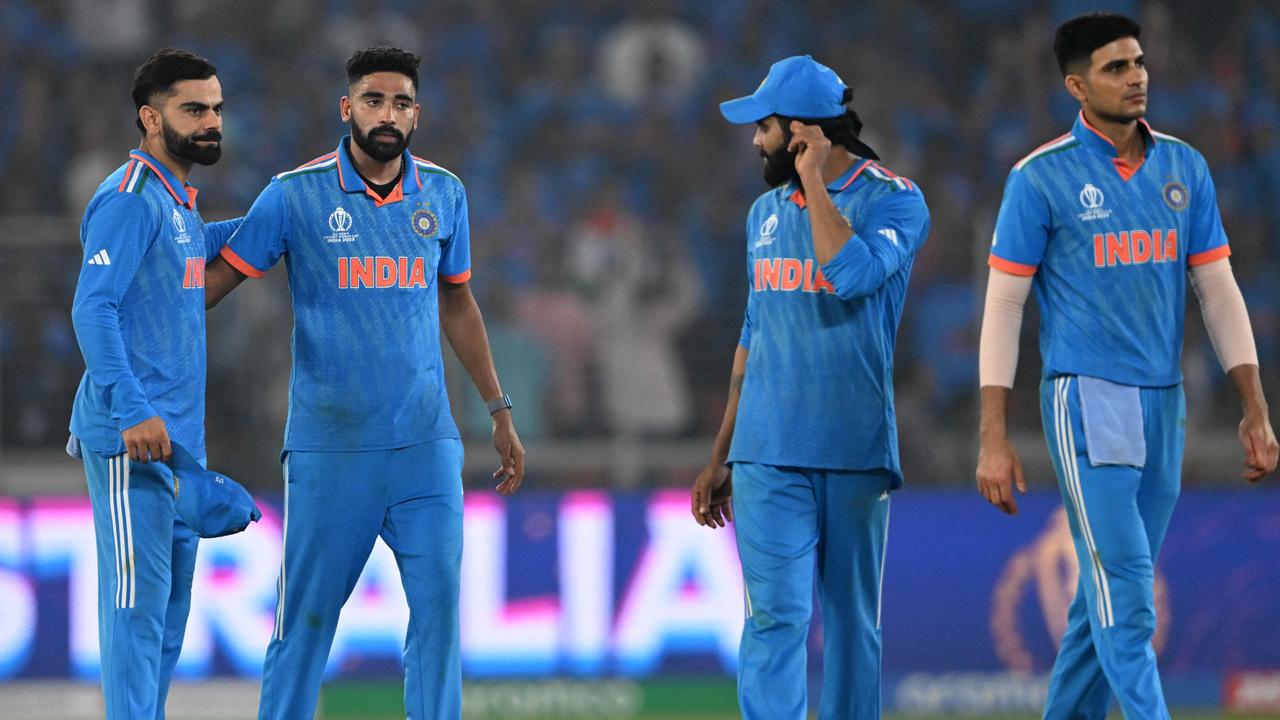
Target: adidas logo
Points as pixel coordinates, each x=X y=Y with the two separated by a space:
x=891 y=234
x=100 y=259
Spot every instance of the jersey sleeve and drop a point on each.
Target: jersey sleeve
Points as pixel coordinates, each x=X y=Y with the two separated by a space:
x=455 y=250
x=263 y=236
x=744 y=339
x=1022 y=227
x=1208 y=241
x=217 y=234
x=117 y=235
x=891 y=231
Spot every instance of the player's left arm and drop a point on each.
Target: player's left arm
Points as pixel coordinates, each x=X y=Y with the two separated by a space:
x=464 y=327
x=889 y=233
x=217 y=234
x=1227 y=320
x=857 y=261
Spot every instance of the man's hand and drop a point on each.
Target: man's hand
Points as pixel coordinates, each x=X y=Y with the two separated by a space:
x=149 y=440
x=812 y=149
x=1260 y=448
x=712 y=496
x=510 y=452
x=999 y=470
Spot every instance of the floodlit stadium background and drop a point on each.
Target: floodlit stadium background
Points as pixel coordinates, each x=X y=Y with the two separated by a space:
x=607 y=201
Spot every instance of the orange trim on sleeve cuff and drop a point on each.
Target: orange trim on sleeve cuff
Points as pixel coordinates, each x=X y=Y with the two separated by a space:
x=1209 y=256
x=457 y=279
x=1011 y=267
x=239 y=263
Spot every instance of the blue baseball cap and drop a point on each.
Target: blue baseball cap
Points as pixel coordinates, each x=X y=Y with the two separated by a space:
x=796 y=87
x=208 y=502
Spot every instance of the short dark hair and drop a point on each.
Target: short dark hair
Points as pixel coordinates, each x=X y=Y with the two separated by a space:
x=381 y=58
x=1077 y=38
x=157 y=75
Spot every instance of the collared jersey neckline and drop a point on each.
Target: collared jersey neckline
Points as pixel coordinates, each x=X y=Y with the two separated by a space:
x=140 y=157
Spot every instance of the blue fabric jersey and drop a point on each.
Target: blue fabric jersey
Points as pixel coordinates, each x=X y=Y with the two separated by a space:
x=1109 y=246
x=367 y=369
x=818 y=391
x=138 y=312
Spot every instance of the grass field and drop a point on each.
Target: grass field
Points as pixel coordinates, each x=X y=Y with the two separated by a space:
x=513 y=700
x=612 y=700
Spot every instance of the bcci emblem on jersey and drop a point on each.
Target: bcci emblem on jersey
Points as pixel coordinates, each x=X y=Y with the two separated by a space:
x=179 y=228
x=1092 y=198
x=1175 y=195
x=340 y=223
x=425 y=223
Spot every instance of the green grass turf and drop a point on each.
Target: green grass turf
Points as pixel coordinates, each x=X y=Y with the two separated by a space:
x=663 y=700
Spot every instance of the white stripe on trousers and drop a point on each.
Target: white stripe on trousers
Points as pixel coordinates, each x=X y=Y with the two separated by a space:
x=1071 y=479
x=116 y=536
x=121 y=530
x=884 y=550
x=284 y=543
x=128 y=532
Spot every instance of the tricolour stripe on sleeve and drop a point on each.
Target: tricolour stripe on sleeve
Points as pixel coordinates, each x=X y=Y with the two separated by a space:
x=1057 y=143
x=133 y=164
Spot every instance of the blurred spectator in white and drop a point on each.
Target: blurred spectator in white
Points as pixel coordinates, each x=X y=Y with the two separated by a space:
x=644 y=293
x=652 y=57
x=113 y=31
x=364 y=23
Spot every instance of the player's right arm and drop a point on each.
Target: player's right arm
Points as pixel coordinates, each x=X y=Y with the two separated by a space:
x=712 y=496
x=713 y=490
x=257 y=244
x=999 y=468
x=117 y=235
x=1021 y=234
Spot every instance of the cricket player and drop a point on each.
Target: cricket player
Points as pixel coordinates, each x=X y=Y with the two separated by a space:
x=1106 y=222
x=378 y=250
x=809 y=433
x=139 y=318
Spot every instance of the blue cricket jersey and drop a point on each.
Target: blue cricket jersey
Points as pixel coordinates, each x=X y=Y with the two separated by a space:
x=138 y=312
x=1109 y=246
x=367 y=368
x=818 y=392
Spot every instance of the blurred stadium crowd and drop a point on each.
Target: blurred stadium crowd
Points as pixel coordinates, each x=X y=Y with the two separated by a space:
x=607 y=194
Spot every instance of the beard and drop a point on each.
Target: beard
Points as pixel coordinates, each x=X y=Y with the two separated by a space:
x=779 y=165
x=186 y=147
x=382 y=152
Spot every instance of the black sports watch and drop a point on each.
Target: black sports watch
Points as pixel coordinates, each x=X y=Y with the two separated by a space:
x=502 y=402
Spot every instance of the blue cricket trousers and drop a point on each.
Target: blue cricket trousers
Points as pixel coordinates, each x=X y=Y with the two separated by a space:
x=336 y=505
x=146 y=559
x=1117 y=452
x=789 y=523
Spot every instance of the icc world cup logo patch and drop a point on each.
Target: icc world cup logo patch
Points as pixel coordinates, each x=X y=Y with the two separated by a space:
x=1175 y=195
x=425 y=223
